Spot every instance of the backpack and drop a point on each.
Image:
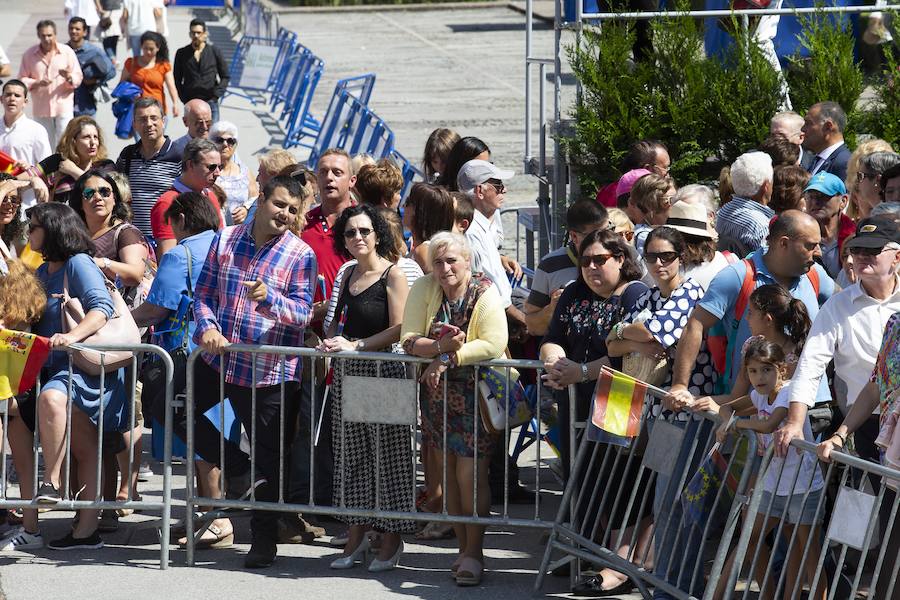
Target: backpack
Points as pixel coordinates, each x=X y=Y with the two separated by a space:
x=720 y=340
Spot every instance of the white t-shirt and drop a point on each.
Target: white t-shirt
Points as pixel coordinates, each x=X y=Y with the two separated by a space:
x=86 y=9
x=485 y=256
x=140 y=15
x=704 y=273
x=27 y=142
x=805 y=462
x=4 y=59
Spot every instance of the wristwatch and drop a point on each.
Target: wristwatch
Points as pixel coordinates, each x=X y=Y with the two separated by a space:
x=360 y=345
x=106 y=262
x=584 y=372
x=445 y=359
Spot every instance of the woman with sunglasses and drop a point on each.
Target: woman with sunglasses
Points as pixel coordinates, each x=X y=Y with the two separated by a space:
x=606 y=293
x=12 y=227
x=372 y=462
x=62 y=239
x=122 y=254
x=235 y=179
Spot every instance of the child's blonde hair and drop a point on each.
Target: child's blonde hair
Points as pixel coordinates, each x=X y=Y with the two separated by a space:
x=22 y=298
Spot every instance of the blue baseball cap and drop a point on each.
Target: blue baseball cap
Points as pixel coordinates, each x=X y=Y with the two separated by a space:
x=827 y=183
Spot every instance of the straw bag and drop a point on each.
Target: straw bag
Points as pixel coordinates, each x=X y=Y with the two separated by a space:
x=120 y=328
x=649 y=370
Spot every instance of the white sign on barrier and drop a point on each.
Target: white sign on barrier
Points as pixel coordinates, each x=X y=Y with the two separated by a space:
x=258 y=64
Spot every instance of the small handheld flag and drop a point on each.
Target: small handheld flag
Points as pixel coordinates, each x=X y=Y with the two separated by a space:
x=618 y=403
x=21 y=357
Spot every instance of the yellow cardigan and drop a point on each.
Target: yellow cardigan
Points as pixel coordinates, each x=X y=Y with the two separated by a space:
x=487 y=335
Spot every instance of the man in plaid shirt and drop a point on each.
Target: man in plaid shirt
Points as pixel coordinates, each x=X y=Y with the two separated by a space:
x=256 y=287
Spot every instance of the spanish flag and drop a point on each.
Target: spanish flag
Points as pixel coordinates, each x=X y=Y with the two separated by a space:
x=8 y=164
x=618 y=403
x=21 y=357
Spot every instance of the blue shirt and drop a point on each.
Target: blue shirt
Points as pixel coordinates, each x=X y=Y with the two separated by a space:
x=170 y=291
x=95 y=64
x=746 y=221
x=86 y=283
x=725 y=288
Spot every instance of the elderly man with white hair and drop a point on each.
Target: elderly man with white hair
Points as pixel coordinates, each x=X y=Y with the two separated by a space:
x=743 y=223
x=790 y=125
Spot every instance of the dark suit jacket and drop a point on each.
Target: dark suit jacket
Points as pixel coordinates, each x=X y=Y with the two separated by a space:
x=837 y=162
x=807 y=159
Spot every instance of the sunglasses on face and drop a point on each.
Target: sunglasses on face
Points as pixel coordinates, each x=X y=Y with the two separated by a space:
x=225 y=141
x=105 y=193
x=866 y=252
x=362 y=231
x=596 y=259
x=665 y=258
x=214 y=167
x=497 y=185
x=11 y=201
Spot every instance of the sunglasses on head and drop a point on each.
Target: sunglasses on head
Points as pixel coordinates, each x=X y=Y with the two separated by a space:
x=665 y=258
x=105 y=193
x=362 y=231
x=595 y=259
x=230 y=141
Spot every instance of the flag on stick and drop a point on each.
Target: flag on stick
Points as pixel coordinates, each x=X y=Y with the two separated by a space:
x=21 y=357
x=618 y=403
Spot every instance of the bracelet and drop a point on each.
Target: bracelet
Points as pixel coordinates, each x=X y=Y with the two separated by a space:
x=617 y=330
x=584 y=372
x=840 y=437
x=439 y=345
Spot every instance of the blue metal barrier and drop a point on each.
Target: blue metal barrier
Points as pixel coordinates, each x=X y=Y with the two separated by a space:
x=300 y=123
x=254 y=62
x=342 y=110
x=409 y=171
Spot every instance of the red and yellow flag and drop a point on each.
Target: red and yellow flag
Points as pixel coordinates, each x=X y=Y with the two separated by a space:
x=21 y=357
x=8 y=164
x=618 y=403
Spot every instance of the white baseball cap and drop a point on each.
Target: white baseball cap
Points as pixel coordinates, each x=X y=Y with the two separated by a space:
x=476 y=172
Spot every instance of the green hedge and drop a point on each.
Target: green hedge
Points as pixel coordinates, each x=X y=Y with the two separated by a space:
x=708 y=111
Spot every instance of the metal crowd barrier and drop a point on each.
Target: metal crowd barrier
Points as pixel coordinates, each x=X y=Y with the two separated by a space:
x=671 y=487
x=377 y=401
x=855 y=508
x=336 y=124
x=257 y=63
x=622 y=507
x=69 y=497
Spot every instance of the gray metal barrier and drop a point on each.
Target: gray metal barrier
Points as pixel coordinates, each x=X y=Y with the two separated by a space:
x=403 y=396
x=618 y=499
x=70 y=501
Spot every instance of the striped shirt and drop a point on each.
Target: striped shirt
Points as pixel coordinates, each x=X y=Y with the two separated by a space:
x=746 y=221
x=288 y=268
x=148 y=179
x=556 y=270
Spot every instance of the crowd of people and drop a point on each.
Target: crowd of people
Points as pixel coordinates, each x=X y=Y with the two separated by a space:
x=795 y=255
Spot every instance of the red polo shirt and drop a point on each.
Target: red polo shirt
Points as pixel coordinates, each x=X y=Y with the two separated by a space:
x=158 y=224
x=320 y=237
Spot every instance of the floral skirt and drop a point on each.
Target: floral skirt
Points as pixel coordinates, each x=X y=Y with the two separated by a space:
x=461 y=424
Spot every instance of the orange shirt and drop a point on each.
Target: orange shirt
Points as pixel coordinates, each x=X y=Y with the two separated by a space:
x=151 y=80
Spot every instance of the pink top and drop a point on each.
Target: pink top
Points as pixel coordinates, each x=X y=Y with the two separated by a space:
x=58 y=98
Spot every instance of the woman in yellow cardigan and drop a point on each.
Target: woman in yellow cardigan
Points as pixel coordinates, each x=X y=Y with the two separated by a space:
x=457 y=319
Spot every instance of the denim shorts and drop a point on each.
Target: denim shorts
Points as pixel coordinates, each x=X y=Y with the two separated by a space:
x=798 y=511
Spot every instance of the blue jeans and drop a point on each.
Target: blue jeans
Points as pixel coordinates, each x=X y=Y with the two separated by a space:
x=673 y=537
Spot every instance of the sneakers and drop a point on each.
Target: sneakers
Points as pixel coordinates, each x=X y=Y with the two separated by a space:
x=70 y=542
x=23 y=540
x=109 y=521
x=47 y=494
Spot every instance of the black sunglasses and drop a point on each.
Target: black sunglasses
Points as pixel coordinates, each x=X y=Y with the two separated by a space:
x=596 y=259
x=230 y=141
x=213 y=166
x=105 y=193
x=871 y=252
x=362 y=231
x=665 y=258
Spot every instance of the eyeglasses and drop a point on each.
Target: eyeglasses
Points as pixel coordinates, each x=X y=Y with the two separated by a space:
x=862 y=176
x=597 y=259
x=665 y=258
x=105 y=193
x=195 y=32
x=212 y=167
x=225 y=141
x=362 y=231
x=497 y=185
x=869 y=252
x=11 y=201
x=626 y=235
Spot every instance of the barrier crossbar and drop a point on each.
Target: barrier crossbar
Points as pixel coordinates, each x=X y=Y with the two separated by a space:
x=340 y=112
x=69 y=497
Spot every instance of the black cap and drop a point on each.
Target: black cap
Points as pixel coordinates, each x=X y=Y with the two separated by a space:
x=875 y=232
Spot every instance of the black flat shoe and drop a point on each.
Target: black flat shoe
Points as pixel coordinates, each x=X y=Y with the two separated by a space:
x=261 y=555
x=592 y=587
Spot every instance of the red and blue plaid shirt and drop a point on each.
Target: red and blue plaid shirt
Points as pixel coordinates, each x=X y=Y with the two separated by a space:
x=288 y=268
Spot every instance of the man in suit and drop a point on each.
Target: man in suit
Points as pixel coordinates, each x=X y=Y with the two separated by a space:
x=823 y=129
x=790 y=125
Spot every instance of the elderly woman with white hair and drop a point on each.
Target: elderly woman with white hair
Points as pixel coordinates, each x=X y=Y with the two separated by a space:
x=236 y=180
x=457 y=319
